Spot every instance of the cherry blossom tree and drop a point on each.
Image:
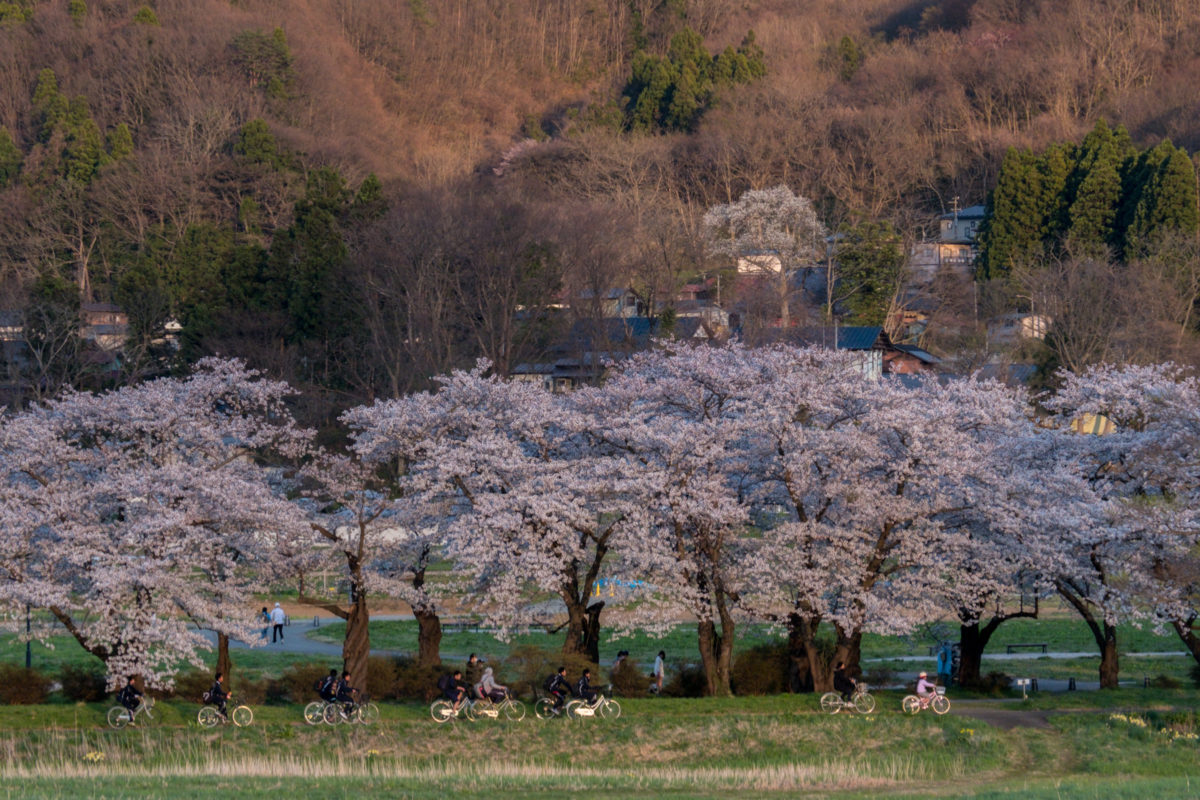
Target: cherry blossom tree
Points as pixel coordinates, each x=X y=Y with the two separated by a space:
x=1138 y=481
x=537 y=500
x=773 y=230
x=678 y=415
x=871 y=480
x=370 y=516
x=134 y=515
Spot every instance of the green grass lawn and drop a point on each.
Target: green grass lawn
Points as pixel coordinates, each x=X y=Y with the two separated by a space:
x=769 y=747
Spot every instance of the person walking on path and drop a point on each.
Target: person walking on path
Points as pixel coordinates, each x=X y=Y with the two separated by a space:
x=277 y=619
x=264 y=616
x=657 y=674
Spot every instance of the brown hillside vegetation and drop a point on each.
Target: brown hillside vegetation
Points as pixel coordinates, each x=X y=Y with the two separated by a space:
x=174 y=141
x=428 y=90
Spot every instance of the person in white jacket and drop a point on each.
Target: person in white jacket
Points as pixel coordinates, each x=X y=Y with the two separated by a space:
x=488 y=688
x=277 y=620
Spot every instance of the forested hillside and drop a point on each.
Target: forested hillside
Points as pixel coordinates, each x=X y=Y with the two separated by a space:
x=358 y=194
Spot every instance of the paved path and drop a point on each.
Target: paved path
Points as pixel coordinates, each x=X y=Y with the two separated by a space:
x=296 y=639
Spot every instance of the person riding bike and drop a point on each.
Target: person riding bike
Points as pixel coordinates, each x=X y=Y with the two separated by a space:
x=488 y=689
x=217 y=695
x=925 y=689
x=129 y=696
x=453 y=688
x=842 y=682
x=558 y=688
x=583 y=688
x=327 y=688
x=345 y=694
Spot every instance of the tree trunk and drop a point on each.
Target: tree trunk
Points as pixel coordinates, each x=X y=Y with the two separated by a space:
x=356 y=647
x=712 y=647
x=583 y=629
x=429 y=637
x=224 y=663
x=1109 y=667
x=591 y=632
x=1188 y=636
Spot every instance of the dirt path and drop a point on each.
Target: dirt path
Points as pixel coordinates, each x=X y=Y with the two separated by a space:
x=1003 y=718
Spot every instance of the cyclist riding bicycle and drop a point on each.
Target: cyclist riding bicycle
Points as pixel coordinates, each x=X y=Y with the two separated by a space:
x=345 y=694
x=327 y=687
x=130 y=697
x=842 y=682
x=583 y=688
x=453 y=688
x=488 y=689
x=217 y=695
x=925 y=689
x=558 y=688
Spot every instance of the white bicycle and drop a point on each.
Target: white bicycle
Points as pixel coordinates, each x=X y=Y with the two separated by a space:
x=937 y=701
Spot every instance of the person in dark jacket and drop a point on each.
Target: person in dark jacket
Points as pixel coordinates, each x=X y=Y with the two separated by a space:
x=842 y=682
x=130 y=696
x=217 y=695
x=558 y=688
x=583 y=688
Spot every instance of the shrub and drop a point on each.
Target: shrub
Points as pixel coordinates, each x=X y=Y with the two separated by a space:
x=629 y=679
x=762 y=669
x=996 y=683
x=192 y=685
x=22 y=687
x=83 y=684
x=415 y=683
x=381 y=678
x=879 y=677
x=527 y=667
x=251 y=693
x=1165 y=682
x=687 y=682
x=295 y=684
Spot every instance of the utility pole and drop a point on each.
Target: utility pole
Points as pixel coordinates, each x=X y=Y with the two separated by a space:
x=28 y=640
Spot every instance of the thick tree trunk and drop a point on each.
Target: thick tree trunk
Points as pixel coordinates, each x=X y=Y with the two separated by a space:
x=591 y=631
x=224 y=663
x=583 y=629
x=429 y=637
x=802 y=638
x=973 y=640
x=716 y=680
x=1109 y=667
x=356 y=648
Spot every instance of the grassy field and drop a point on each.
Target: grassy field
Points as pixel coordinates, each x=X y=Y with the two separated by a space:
x=755 y=747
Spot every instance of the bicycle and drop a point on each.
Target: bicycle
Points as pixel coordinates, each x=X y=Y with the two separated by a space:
x=443 y=710
x=603 y=707
x=544 y=708
x=210 y=715
x=512 y=708
x=361 y=711
x=314 y=712
x=118 y=716
x=937 y=701
x=861 y=701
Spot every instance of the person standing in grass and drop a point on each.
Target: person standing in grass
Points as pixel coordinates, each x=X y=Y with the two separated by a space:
x=659 y=670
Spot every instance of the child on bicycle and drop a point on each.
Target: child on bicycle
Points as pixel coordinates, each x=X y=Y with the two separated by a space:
x=327 y=688
x=130 y=697
x=217 y=695
x=583 y=687
x=842 y=682
x=558 y=688
x=488 y=689
x=345 y=694
x=925 y=689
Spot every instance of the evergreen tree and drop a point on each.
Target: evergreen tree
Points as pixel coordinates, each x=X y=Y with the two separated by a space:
x=1095 y=188
x=870 y=257
x=1015 y=224
x=10 y=159
x=1165 y=200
